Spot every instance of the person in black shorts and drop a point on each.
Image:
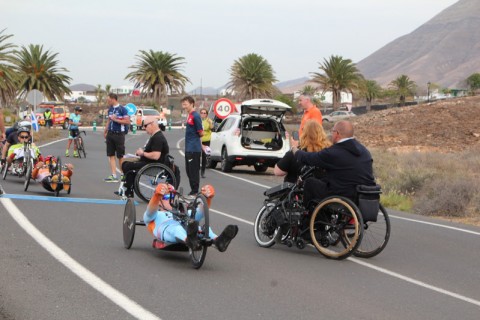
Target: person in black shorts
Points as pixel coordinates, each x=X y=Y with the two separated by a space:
x=115 y=130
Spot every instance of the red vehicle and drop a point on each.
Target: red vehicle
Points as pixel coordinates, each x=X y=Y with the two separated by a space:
x=60 y=113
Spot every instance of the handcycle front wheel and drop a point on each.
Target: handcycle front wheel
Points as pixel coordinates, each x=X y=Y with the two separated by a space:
x=375 y=235
x=129 y=222
x=334 y=218
x=149 y=177
x=28 y=171
x=200 y=212
x=57 y=170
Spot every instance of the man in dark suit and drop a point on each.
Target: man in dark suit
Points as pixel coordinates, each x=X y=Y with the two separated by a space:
x=347 y=164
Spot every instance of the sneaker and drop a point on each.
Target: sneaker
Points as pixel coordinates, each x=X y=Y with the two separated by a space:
x=111 y=178
x=75 y=154
x=223 y=240
x=192 y=232
x=67 y=154
x=122 y=178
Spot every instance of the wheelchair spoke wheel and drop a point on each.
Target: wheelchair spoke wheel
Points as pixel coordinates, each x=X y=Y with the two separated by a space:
x=332 y=219
x=129 y=220
x=375 y=236
x=200 y=213
x=148 y=177
x=265 y=228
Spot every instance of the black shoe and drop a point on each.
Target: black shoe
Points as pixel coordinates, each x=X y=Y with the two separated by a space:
x=223 y=240
x=192 y=235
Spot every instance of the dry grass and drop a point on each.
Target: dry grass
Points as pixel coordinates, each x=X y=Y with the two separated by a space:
x=46 y=135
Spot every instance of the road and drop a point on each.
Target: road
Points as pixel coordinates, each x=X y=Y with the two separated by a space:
x=63 y=260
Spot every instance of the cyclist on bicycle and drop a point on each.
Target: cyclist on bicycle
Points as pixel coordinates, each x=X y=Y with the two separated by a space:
x=42 y=173
x=162 y=225
x=16 y=151
x=74 y=122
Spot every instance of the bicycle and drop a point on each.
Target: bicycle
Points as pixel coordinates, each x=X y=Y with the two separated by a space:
x=79 y=144
x=184 y=212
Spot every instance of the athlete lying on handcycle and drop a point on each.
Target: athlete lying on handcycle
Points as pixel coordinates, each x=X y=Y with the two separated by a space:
x=161 y=224
x=42 y=173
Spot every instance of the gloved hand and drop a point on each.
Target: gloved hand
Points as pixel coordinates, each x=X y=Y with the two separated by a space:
x=164 y=188
x=208 y=191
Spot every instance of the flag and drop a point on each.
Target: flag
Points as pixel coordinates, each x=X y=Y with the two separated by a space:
x=35 y=126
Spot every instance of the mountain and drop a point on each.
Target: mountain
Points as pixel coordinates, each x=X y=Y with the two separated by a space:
x=291 y=83
x=208 y=91
x=444 y=50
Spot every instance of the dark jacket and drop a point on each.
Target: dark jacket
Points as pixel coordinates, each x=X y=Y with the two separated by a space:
x=347 y=164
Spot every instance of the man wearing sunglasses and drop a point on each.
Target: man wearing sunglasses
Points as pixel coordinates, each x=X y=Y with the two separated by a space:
x=155 y=150
x=16 y=151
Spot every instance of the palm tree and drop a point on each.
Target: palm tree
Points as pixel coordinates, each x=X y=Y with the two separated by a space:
x=338 y=75
x=403 y=87
x=158 y=73
x=39 y=70
x=100 y=94
x=8 y=77
x=251 y=76
x=371 y=90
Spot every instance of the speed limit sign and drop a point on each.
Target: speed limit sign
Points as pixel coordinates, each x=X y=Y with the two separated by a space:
x=223 y=107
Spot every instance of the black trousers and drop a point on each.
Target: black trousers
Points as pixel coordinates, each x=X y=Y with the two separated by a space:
x=314 y=189
x=130 y=169
x=204 y=156
x=192 y=166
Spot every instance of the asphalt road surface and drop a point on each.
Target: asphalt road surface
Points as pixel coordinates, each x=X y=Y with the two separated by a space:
x=61 y=260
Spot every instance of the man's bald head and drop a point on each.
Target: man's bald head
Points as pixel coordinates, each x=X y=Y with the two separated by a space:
x=341 y=130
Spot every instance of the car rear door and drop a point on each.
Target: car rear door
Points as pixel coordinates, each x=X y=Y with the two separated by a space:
x=221 y=136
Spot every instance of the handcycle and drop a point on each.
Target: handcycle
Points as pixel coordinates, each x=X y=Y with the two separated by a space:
x=336 y=226
x=184 y=212
x=79 y=144
x=21 y=167
x=55 y=168
x=150 y=176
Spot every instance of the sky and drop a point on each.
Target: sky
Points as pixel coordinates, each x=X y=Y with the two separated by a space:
x=98 y=41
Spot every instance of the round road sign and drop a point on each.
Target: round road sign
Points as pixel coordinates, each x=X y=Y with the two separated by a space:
x=131 y=109
x=223 y=107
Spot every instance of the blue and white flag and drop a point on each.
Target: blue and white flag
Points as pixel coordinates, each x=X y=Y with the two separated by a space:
x=35 y=125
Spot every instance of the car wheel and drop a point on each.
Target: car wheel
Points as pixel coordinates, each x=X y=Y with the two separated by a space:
x=260 y=167
x=226 y=165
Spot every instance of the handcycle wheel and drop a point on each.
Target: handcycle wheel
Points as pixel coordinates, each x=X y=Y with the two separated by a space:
x=148 y=177
x=200 y=213
x=28 y=171
x=129 y=220
x=375 y=236
x=5 y=170
x=332 y=218
x=265 y=228
x=57 y=170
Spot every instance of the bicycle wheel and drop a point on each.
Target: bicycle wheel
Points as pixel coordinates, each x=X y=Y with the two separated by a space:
x=332 y=218
x=200 y=213
x=28 y=171
x=148 y=177
x=265 y=228
x=129 y=222
x=81 y=148
x=375 y=236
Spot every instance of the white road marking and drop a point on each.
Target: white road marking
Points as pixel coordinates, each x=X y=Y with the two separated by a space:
x=83 y=273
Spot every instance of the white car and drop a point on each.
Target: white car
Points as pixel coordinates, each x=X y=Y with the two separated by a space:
x=338 y=115
x=255 y=136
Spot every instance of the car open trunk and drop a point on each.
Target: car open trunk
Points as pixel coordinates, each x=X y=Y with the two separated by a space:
x=261 y=134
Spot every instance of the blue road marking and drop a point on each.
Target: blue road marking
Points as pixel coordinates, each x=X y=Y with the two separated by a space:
x=57 y=199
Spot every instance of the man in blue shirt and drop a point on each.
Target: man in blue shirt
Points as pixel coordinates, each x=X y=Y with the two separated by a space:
x=73 y=132
x=193 y=143
x=115 y=130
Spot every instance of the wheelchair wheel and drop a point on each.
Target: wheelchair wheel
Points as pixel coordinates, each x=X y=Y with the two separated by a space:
x=334 y=218
x=375 y=236
x=28 y=172
x=148 y=177
x=265 y=228
x=200 y=213
x=129 y=222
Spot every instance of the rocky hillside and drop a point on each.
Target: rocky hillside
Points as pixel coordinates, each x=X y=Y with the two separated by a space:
x=442 y=126
x=444 y=50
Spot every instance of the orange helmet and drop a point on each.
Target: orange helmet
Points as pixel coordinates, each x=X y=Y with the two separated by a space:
x=50 y=160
